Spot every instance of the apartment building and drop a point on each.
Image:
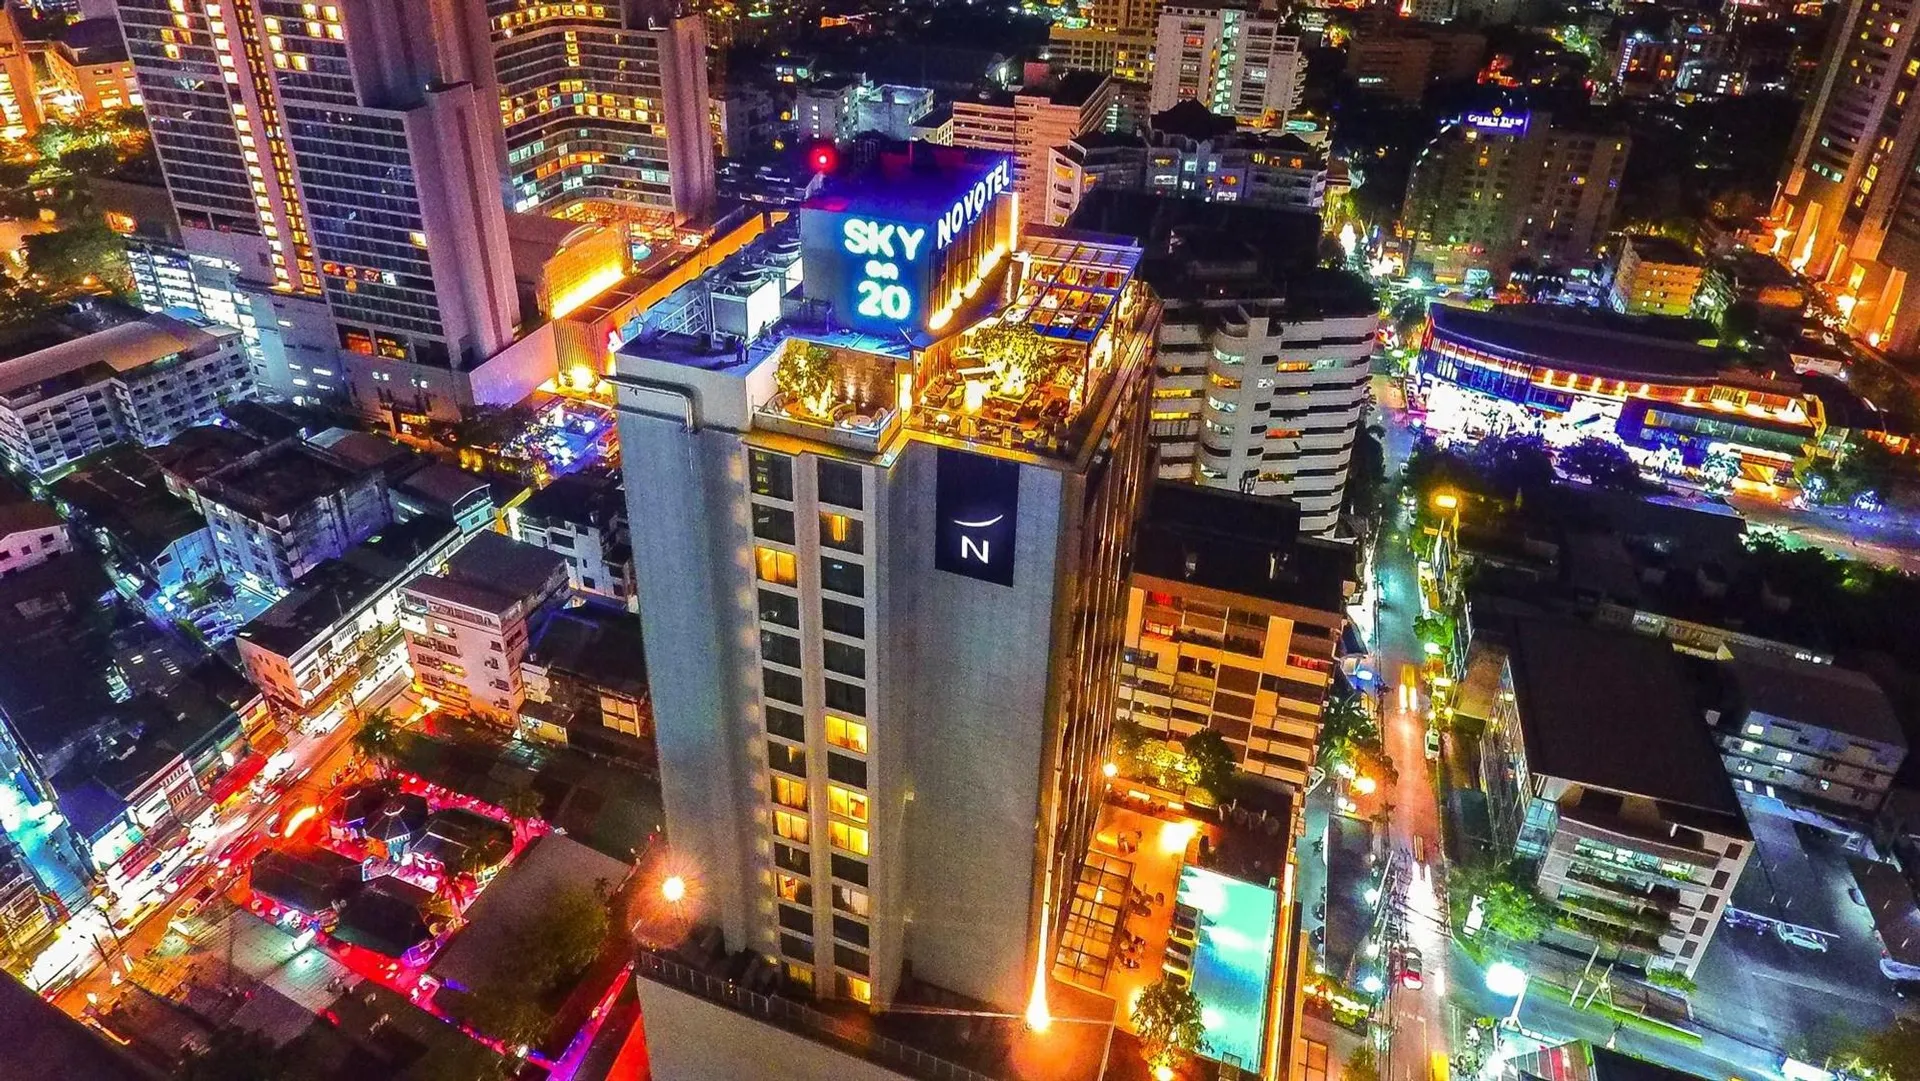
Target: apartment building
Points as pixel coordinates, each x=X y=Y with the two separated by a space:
x=1027 y=124
x=278 y=512
x=1261 y=370
x=20 y=114
x=1233 y=620
x=467 y=626
x=1399 y=62
x=1231 y=58
x=1504 y=185
x=1188 y=153
x=143 y=381
x=827 y=110
x=30 y=533
x=145 y=532
x=582 y=519
x=337 y=635
x=893 y=111
x=1810 y=736
x=267 y=123
x=586 y=680
x=605 y=107
x=1625 y=815
x=1117 y=39
x=91 y=64
x=850 y=588
x=1655 y=276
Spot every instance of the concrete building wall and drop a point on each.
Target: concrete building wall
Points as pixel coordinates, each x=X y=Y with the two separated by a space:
x=691 y=1039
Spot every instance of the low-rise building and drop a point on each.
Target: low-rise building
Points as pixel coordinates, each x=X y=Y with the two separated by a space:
x=586 y=680
x=582 y=519
x=1188 y=153
x=1617 y=802
x=827 y=110
x=146 y=533
x=142 y=381
x=1655 y=276
x=279 y=512
x=467 y=627
x=30 y=533
x=91 y=64
x=338 y=632
x=1233 y=618
x=1808 y=735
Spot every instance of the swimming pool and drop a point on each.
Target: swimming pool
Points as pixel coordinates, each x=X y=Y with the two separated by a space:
x=1232 y=962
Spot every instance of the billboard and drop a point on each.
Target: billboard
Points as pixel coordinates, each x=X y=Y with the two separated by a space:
x=977 y=506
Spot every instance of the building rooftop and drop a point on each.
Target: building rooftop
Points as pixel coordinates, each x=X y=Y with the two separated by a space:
x=280 y=481
x=1588 y=1062
x=441 y=485
x=203 y=450
x=363 y=451
x=1896 y=918
x=1070 y=88
x=38 y=1041
x=270 y=422
x=505 y=565
x=25 y=516
x=112 y=351
x=483 y=952
x=1647 y=736
x=1634 y=348
x=1240 y=544
x=596 y=643
x=1660 y=249
x=123 y=492
x=909 y=181
x=56 y=620
x=1836 y=699
x=578 y=498
x=339 y=587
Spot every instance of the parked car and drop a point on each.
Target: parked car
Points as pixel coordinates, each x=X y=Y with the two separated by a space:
x=191 y=907
x=1433 y=744
x=1794 y=936
x=1410 y=973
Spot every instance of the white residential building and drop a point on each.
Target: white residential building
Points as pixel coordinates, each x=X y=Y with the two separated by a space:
x=144 y=381
x=1233 y=60
x=584 y=521
x=30 y=534
x=467 y=627
x=1029 y=123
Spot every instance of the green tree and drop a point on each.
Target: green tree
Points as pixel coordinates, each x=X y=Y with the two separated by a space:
x=567 y=937
x=1515 y=465
x=381 y=740
x=1212 y=763
x=1891 y=1054
x=1166 y=1017
x=1128 y=742
x=466 y=1060
x=235 y=1054
x=1018 y=350
x=1362 y=1065
x=805 y=375
x=1513 y=907
x=508 y=1013
x=1601 y=463
x=523 y=802
x=88 y=258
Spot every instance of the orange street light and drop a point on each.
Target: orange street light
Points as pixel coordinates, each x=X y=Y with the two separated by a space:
x=1111 y=770
x=1446 y=501
x=674 y=889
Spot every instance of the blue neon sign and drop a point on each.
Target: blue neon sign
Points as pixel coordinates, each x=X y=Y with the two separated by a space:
x=882 y=287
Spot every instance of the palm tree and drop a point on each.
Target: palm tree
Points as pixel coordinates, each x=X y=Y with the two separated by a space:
x=380 y=740
x=522 y=803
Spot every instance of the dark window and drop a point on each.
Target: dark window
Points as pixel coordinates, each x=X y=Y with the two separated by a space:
x=851 y=869
x=1689 y=949
x=779 y=608
x=772 y=474
x=794 y=919
x=843 y=618
x=780 y=649
x=846 y=770
x=845 y=659
x=1239 y=680
x=789 y=858
x=850 y=930
x=840 y=484
x=1293 y=688
x=773 y=523
x=850 y=959
x=1720 y=880
x=798 y=948
x=842 y=577
x=784 y=686
x=846 y=698
x=1233 y=705
x=786 y=724
x=786 y=759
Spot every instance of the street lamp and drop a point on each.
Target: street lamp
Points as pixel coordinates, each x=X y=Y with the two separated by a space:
x=674 y=889
x=1507 y=979
x=1446 y=501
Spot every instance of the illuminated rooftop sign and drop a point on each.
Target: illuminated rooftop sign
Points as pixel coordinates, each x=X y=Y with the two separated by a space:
x=1498 y=120
x=997 y=182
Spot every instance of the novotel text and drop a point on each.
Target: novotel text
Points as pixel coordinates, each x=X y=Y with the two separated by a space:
x=886 y=245
x=971 y=205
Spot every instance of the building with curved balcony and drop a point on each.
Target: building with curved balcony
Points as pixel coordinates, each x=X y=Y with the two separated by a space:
x=1567 y=374
x=1262 y=368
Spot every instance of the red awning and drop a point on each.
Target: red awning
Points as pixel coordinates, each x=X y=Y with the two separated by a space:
x=236 y=778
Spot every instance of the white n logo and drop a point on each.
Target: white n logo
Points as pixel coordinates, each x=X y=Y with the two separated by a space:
x=969 y=545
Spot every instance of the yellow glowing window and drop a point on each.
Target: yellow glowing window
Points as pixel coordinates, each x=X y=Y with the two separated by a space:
x=848 y=838
x=847 y=803
x=775 y=565
x=791 y=826
x=858 y=989
x=851 y=735
x=789 y=792
x=790 y=888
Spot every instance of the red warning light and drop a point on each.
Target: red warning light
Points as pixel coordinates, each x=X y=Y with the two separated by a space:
x=823 y=158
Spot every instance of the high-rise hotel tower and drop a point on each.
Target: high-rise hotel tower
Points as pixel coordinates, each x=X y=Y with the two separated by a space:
x=878 y=530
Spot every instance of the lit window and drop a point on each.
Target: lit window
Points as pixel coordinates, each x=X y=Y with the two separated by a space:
x=846 y=803
x=845 y=838
x=790 y=793
x=1756 y=729
x=794 y=827
x=853 y=901
x=857 y=989
x=851 y=735
x=776 y=566
x=1783 y=756
x=792 y=888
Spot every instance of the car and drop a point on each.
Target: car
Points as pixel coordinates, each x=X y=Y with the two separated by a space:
x=192 y=906
x=1410 y=974
x=1795 y=936
x=1433 y=744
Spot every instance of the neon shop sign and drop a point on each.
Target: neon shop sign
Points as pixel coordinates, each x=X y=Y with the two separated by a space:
x=1497 y=121
x=886 y=245
x=974 y=203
